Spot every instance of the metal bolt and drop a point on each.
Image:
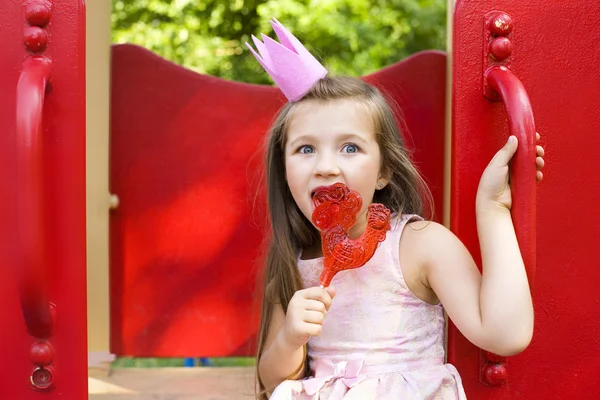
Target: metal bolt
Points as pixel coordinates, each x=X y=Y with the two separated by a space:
x=494 y=374
x=35 y=39
x=501 y=24
x=41 y=353
x=37 y=14
x=501 y=48
x=42 y=378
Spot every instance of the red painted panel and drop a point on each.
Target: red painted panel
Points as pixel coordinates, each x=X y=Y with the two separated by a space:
x=186 y=162
x=42 y=234
x=559 y=70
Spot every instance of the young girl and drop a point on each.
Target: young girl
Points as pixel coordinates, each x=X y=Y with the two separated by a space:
x=378 y=331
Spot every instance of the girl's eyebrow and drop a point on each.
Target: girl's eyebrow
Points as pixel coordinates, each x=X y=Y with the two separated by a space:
x=353 y=136
x=303 y=138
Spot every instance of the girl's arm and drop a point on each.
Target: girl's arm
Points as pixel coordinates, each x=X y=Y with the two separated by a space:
x=493 y=311
x=288 y=334
x=280 y=360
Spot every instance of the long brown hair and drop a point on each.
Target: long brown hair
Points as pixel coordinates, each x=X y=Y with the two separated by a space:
x=290 y=230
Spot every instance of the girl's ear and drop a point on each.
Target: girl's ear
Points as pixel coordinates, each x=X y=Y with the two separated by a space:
x=383 y=179
x=381 y=183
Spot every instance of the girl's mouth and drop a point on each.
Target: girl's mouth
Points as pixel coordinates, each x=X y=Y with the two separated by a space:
x=314 y=194
x=320 y=189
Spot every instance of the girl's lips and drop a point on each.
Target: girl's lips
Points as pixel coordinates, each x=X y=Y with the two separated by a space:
x=315 y=190
x=319 y=188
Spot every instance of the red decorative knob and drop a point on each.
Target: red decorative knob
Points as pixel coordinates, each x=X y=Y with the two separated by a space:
x=501 y=24
x=41 y=354
x=36 y=39
x=494 y=374
x=501 y=48
x=43 y=378
x=37 y=15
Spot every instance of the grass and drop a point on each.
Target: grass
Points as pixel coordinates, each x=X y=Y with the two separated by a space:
x=153 y=362
x=233 y=362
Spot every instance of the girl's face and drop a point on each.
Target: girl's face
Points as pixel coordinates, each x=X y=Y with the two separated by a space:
x=330 y=142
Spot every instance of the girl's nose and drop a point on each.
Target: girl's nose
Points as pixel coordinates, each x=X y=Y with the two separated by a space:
x=327 y=166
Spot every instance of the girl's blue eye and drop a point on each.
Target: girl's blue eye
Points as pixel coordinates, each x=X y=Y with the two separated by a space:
x=351 y=148
x=306 y=149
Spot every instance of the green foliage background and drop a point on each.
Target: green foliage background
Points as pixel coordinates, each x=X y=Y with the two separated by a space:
x=353 y=37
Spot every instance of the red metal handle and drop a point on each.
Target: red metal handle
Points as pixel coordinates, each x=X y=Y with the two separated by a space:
x=522 y=185
x=523 y=168
x=30 y=214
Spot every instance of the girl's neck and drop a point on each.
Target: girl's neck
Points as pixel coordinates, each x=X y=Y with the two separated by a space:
x=359 y=227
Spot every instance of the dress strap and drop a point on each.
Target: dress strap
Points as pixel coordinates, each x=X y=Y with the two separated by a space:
x=397 y=228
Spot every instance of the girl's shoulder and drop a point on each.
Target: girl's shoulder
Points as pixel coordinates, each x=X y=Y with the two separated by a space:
x=428 y=243
x=425 y=233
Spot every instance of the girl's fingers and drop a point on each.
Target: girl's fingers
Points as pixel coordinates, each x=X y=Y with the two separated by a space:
x=315 y=305
x=320 y=294
x=331 y=291
x=313 y=317
x=539 y=162
x=314 y=329
x=504 y=155
x=539 y=151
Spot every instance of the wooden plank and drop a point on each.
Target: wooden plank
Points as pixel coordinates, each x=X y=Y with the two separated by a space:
x=173 y=384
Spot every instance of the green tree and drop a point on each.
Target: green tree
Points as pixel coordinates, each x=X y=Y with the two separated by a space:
x=353 y=37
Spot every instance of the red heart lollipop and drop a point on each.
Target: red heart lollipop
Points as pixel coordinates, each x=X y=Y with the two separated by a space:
x=335 y=213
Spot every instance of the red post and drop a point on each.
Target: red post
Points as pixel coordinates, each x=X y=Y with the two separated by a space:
x=43 y=339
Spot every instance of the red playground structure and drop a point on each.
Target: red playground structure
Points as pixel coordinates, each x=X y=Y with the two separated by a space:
x=186 y=238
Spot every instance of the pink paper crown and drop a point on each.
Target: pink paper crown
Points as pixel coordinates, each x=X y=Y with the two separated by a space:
x=291 y=66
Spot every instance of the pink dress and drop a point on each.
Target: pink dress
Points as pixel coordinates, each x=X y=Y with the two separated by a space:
x=379 y=341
